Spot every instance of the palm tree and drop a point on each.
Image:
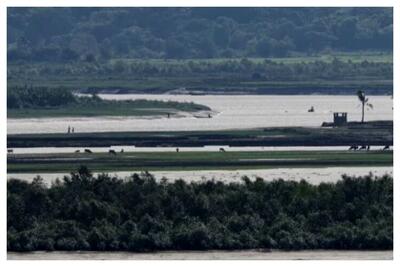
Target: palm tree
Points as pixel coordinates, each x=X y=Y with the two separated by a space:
x=364 y=101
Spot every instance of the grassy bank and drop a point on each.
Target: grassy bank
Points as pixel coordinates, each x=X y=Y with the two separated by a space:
x=38 y=102
x=108 y=214
x=356 y=57
x=378 y=133
x=109 y=108
x=152 y=161
x=210 y=85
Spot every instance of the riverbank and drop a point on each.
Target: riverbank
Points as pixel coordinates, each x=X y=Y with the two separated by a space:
x=271 y=136
x=191 y=161
x=313 y=175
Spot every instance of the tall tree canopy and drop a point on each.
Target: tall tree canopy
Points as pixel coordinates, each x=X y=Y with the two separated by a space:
x=68 y=34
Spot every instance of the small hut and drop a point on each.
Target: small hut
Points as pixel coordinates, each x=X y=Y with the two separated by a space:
x=339 y=118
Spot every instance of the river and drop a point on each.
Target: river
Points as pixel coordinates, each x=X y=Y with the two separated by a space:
x=208 y=255
x=230 y=112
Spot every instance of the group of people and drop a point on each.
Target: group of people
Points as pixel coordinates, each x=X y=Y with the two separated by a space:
x=70 y=129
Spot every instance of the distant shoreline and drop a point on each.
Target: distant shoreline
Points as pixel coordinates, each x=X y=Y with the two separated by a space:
x=273 y=90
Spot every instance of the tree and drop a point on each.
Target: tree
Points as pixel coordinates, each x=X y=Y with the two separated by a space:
x=364 y=101
x=264 y=47
x=68 y=54
x=174 y=49
x=90 y=58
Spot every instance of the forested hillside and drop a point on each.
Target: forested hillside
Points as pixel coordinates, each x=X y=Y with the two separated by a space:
x=90 y=34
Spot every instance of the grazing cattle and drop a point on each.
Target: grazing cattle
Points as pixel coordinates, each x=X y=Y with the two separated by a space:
x=10 y=151
x=177 y=149
x=353 y=148
x=122 y=150
x=77 y=151
x=363 y=148
x=221 y=149
x=112 y=151
x=386 y=148
x=88 y=151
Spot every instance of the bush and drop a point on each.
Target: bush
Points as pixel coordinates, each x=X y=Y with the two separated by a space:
x=141 y=214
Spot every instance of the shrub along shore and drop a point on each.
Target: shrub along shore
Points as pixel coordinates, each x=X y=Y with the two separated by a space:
x=105 y=213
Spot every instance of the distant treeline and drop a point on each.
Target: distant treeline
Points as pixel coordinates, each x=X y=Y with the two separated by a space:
x=226 y=70
x=89 y=34
x=141 y=214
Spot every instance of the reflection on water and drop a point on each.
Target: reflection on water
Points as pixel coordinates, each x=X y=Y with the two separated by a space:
x=311 y=175
x=208 y=255
x=233 y=111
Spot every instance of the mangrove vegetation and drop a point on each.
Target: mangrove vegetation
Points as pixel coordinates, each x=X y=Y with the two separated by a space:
x=105 y=213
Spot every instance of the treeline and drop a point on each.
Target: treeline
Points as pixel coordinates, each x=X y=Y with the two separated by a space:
x=140 y=214
x=89 y=34
x=231 y=70
x=28 y=97
x=43 y=97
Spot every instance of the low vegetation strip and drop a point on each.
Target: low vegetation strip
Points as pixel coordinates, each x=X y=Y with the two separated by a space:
x=142 y=161
x=378 y=133
x=241 y=76
x=105 y=213
x=36 y=102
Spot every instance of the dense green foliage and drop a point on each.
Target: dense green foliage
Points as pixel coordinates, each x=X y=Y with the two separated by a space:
x=206 y=50
x=220 y=75
x=90 y=34
x=236 y=70
x=39 y=97
x=43 y=101
x=141 y=214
